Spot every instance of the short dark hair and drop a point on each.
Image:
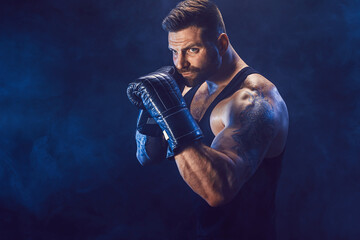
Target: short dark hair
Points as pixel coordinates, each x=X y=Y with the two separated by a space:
x=200 y=13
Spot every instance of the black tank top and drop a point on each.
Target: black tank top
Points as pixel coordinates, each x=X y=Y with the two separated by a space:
x=251 y=214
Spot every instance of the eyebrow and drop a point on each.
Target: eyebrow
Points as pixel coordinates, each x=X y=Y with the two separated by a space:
x=188 y=47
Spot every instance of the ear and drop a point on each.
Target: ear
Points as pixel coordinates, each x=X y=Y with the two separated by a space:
x=222 y=43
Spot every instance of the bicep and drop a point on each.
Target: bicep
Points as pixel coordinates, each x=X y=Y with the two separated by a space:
x=248 y=135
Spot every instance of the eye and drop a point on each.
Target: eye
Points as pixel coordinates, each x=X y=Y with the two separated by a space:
x=193 y=50
x=173 y=51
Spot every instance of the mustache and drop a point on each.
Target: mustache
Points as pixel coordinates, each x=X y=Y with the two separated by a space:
x=190 y=70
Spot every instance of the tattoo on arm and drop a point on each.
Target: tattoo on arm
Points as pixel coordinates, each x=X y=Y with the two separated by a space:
x=257 y=128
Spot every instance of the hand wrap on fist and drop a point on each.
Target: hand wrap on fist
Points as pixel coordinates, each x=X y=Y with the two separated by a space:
x=160 y=95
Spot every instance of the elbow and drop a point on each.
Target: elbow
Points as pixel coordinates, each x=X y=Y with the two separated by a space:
x=215 y=203
x=222 y=198
x=218 y=200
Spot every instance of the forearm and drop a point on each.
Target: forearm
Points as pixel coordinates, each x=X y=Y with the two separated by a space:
x=209 y=173
x=150 y=150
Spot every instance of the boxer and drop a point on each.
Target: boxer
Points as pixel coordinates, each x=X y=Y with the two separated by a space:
x=224 y=124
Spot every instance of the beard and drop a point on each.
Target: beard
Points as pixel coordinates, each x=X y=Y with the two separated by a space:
x=194 y=76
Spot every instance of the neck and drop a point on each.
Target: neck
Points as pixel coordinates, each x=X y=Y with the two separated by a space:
x=231 y=64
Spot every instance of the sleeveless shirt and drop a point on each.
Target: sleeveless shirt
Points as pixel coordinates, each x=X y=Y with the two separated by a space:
x=251 y=214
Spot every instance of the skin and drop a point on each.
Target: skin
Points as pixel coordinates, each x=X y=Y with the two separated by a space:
x=249 y=126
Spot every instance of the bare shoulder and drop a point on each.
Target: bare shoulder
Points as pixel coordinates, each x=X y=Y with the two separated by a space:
x=257 y=94
x=259 y=106
x=261 y=96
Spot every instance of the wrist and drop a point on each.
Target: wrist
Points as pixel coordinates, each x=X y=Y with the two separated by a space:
x=192 y=146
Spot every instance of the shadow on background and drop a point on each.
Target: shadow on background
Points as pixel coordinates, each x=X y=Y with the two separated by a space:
x=67 y=150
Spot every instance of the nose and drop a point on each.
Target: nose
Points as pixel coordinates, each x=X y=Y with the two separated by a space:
x=181 y=62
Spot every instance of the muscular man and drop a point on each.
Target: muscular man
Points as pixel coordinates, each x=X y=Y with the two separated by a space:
x=227 y=127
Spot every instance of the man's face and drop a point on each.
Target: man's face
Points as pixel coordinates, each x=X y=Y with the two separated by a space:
x=195 y=58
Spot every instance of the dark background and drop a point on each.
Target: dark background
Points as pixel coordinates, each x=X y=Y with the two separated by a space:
x=67 y=150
